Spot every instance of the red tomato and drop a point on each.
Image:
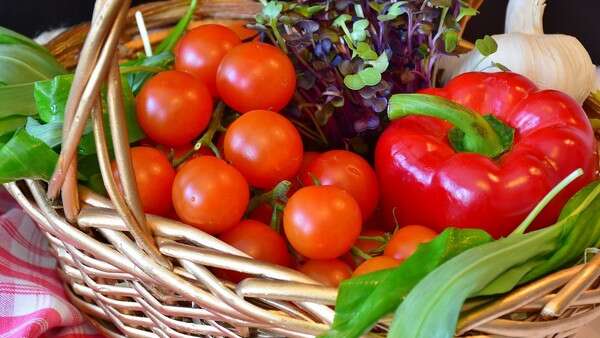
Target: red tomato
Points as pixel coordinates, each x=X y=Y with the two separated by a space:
x=375 y=264
x=263 y=213
x=321 y=222
x=405 y=240
x=265 y=147
x=259 y=241
x=329 y=272
x=154 y=177
x=201 y=50
x=173 y=108
x=349 y=171
x=210 y=194
x=256 y=75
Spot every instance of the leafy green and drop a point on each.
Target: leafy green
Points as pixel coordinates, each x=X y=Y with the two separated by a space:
x=22 y=64
x=169 y=43
x=363 y=300
x=308 y=11
x=365 y=52
x=366 y=77
x=432 y=307
x=394 y=11
x=24 y=156
x=49 y=133
x=137 y=79
x=359 y=30
x=466 y=11
x=450 y=40
x=9 y=124
x=9 y=37
x=17 y=100
x=51 y=97
x=486 y=46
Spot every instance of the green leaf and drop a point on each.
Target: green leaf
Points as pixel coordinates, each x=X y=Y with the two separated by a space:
x=169 y=43
x=486 y=46
x=365 y=51
x=466 y=11
x=17 y=100
x=504 y=131
x=450 y=40
x=441 y=3
x=370 y=76
x=308 y=11
x=394 y=11
x=359 y=32
x=363 y=300
x=9 y=124
x=381 y=64
x=432 y=307
x=340 y=21
x=272 y=10
x=49 y=133
x=500 y=66
x=24 y=156
x=423 y=50
x=163 y=60
x=51 y=97
x=10 y=37
x=22 y=64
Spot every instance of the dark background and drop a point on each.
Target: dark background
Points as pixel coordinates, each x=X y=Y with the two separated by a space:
x=578 y=18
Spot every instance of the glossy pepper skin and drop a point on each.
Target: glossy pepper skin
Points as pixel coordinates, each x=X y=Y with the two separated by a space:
x=424 y=180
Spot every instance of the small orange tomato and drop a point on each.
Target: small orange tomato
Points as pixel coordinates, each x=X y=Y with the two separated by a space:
x=405 y=240
x=375 y=264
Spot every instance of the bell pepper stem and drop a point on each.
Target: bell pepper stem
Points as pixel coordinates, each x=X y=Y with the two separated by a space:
x=478 y=135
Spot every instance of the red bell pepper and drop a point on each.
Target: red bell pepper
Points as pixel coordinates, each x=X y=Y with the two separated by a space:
x=441 y=163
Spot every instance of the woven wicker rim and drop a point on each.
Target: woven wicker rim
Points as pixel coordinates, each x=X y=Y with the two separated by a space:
x=147 y=276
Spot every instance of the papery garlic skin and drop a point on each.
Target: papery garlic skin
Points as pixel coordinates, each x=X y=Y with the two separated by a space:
x=552 y=61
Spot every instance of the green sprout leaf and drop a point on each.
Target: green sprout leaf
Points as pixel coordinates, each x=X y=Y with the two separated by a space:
x=272 y=9
x=450 y=40
x=341 y=20
x=309 y=11
x=381 y=64
x=365 y=51
x=466 y=11
x=394 y=11
x=441 y=3
x=359 y=32
x=366 y=77
x=501 y=66
x=486 y=46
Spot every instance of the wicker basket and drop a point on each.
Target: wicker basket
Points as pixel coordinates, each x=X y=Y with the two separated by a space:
x=139 y=275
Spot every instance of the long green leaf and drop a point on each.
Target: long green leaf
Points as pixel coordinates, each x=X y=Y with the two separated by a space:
x=9 y=124
x=17 y=100
x=169 y=43
x=432 y=307
x=24 y=156
x=22 y=64
x=51 y=97
x=362 y=301
x=10 y=37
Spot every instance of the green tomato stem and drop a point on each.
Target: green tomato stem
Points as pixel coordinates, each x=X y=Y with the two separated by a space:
x=272 y=197
x=359 y=253
x=479 y=136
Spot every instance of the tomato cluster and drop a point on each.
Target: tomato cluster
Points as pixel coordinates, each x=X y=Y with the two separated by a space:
x=231 y=189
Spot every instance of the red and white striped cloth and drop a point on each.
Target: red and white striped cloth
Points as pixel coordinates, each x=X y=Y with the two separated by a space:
x=32 y=299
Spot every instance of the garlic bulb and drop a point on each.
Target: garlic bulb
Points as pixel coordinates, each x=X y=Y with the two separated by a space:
x=552 y=61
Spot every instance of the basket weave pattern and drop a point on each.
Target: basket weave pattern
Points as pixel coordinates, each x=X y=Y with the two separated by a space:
x=139 y=275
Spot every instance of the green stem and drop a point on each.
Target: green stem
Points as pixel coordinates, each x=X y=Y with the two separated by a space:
x=479 y=136
x=138 y=69
x=278 y=193
x=207 y=137
x=544 y=202
x=359 y=253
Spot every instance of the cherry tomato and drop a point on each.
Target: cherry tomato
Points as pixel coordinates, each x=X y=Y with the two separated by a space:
x=173 y=108
x=210 y=194
x=259 y=241
x=256 y=75
x=405 y=240
x=265 y=147
x=375 y=264
x=154 y=177
x=201 y=50
x=262 y=213
x=329 y=272
x=349 y=171
x=321 y=222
